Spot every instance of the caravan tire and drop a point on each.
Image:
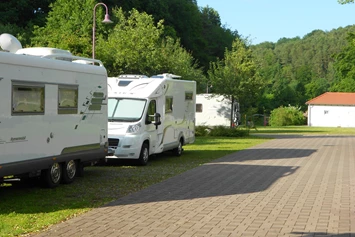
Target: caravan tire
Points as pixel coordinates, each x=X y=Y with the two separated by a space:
x=51 y=177
x=178 y=150
x=144 y=154
x=69 y=172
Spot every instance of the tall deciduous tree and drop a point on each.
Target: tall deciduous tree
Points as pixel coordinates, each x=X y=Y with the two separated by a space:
x=345 y=67
x=136 y=45
x=69 y=26
x=236 y=75
x=133 y=44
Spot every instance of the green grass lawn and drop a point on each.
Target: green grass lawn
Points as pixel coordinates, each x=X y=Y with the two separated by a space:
x=25 y=207
x=305 y=130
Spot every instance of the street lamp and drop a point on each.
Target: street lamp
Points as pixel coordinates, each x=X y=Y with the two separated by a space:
x=106 y=20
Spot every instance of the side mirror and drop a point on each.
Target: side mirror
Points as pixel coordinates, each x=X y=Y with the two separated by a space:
x=157 y=121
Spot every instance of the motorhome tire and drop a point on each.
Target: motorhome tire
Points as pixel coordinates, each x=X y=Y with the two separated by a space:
x=69 y=172
x=52 y=177
x=144 y=154
x=178 y=150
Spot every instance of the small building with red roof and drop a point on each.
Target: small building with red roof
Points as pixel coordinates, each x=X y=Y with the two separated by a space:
x=332 y=109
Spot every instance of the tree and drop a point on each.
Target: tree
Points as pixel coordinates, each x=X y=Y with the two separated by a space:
x=345 y=67
x=69 y=26
x=214 y=39
x=132 y=46
x=345 y=1
x=236 y=75
x=136 y=45
x=24 y=13
x=199 y=29
x=19 y=17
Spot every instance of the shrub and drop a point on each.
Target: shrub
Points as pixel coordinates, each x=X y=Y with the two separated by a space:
x=202 y=131
x=285 y=116
x=221 y=131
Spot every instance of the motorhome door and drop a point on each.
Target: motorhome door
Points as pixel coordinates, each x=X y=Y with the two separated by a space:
x=151 y=127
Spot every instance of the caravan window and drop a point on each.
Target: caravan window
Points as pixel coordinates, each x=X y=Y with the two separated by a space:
x=198 y=108
x=188 y=95
x=168 y=105
x=28 y=99
x=67 y=100
x=151 y=111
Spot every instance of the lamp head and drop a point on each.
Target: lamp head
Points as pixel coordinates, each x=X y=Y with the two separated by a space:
x=107 y=19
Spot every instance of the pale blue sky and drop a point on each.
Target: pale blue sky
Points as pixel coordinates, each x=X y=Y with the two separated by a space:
x=270 y=20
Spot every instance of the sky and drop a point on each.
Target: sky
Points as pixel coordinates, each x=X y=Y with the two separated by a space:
x=270 y=20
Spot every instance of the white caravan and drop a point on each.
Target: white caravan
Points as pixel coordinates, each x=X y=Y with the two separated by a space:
x=53 y=113
x=215 y=110
x=150 y=116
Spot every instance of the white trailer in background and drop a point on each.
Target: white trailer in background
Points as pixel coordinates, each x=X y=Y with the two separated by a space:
x=216 y=110
x=53 y=113
x=150 y=116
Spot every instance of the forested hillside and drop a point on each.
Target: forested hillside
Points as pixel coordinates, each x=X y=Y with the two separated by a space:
x=297 y=70
x=179 y=36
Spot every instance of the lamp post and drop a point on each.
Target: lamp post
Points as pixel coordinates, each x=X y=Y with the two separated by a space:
x=106 y=20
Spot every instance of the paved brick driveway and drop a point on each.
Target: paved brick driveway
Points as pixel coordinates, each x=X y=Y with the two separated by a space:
x=289 y=186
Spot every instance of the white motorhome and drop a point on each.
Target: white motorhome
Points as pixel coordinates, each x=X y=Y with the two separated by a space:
x=216 y=110
x=53 y=113
x=149 y=116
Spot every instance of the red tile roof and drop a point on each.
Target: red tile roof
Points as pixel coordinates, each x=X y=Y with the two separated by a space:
x=333 y=98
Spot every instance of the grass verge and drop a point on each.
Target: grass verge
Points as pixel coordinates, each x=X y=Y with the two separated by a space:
x=26 y=208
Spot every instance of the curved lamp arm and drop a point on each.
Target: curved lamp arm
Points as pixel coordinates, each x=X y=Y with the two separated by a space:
x=106 y=20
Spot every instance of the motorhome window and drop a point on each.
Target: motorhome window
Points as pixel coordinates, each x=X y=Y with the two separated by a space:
x=168 y=105
x=188 y=95
x=125 y=110
x=198 y=108
x=27 y=99
x=151 y=110
x=67 y=100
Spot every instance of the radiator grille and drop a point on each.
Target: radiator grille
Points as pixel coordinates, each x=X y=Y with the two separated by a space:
x=113 y=142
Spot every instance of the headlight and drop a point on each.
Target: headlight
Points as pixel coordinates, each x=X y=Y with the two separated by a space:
x=134 y=128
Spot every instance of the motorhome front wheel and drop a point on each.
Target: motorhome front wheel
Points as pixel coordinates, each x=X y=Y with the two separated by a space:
x=144 y=154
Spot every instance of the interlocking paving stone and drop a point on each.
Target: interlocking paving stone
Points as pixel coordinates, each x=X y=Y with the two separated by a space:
x=289 y=186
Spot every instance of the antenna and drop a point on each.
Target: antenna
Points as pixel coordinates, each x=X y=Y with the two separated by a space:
x=9 y=43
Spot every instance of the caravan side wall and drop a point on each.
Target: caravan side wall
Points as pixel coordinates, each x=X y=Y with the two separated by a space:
x=50 y=111
x=179 y=120
x=212 y=110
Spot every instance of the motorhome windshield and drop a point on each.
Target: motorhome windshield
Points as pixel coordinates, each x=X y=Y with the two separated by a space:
x=125 y=110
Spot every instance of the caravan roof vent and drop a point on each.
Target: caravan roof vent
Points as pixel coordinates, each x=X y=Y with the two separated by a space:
x=9 y=43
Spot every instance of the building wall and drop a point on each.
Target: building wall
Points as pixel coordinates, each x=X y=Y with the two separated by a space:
x=331 y=116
